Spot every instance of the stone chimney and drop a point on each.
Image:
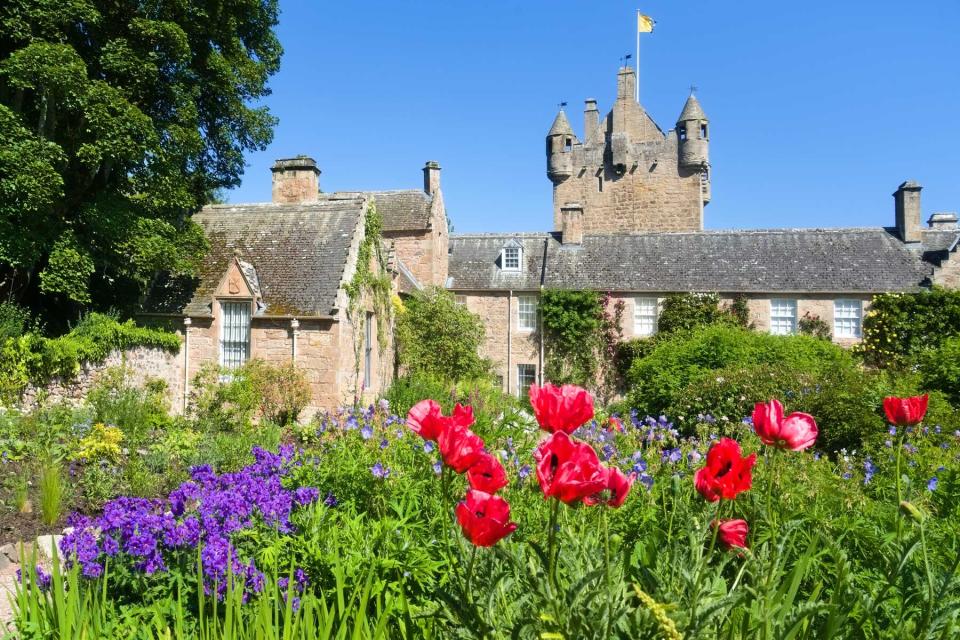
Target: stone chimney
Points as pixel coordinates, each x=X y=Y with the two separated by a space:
x=431 y=177
x=626 y=84
x=591 y=121
x=907 y=206
x=571 y=223
x=295 y=180
x=943 y=220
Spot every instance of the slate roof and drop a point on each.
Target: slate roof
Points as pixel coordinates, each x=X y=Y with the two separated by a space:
x=692 y=110
x=295 y=253
x=407 y=210
x=761 y=261
x=561 y=126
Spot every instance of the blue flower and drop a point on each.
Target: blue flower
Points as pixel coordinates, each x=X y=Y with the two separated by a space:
x=646 y=480
x=330 y=500
x=932 y=484
x=366 y=432
x=694 y=457
x=868 y=470
x=428 y=446
x=384 y=443
x=380 y=471
x=524 y=472
x=437 y=467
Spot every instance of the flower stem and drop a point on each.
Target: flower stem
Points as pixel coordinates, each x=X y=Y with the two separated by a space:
x=473 y=557
x=606 y=568
x=551 y=545
x=899 y=489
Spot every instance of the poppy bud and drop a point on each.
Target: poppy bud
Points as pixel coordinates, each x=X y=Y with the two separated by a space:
x=910 y=510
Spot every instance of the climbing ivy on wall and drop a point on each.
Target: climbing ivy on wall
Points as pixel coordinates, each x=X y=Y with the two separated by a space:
x=580 y=332
x=372 y=283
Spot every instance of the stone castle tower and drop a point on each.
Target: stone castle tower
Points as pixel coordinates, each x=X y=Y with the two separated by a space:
x=627 y=175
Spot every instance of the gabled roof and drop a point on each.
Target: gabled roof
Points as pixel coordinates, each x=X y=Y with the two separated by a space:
x=401 y=210
x=762 y=261
x=294 y=254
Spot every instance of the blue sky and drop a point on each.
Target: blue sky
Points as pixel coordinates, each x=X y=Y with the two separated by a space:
x=818 y=110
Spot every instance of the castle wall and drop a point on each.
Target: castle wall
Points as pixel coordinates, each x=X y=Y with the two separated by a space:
x=948 y=273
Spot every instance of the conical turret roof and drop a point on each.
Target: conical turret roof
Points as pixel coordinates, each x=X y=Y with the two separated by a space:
x=692 y=110
x=561 y=126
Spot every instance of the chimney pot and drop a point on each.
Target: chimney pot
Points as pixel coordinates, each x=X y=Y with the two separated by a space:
x=431 y=177
x=295 y=180
x=943 y=220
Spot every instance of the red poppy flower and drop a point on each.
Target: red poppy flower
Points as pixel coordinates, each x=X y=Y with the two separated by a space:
x=568 y=469
x=732 y=533
x=727 y=472
x=795 y=432
x=487 y=474
x=459 y=447
x=427 y=420
x=484 y=518
x=905 y=412
x=563 y=408
x=615 y=492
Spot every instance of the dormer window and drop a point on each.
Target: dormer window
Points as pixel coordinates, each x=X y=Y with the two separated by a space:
x=511 y=256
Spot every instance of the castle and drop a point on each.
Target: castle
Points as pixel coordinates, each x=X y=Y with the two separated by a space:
x=628 y=205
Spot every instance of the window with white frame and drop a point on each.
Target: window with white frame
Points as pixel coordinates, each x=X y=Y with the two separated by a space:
x=527 y=306
x=234 y=334
x=526 y=376
x=847 y=318
x=460 y=300
x=783 y=317
x=511 y=259
x=645 y=313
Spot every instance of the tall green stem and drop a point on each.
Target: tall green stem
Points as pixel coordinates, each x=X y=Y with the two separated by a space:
x=606 y=567
x=551 y=545
x=473 y=557
x=899 y=487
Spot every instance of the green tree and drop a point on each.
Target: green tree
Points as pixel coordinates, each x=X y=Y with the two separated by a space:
x=117 y=121
x=436 y=336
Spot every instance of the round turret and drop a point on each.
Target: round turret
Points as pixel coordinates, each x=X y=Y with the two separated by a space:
x=693 y=135
x=560 y=141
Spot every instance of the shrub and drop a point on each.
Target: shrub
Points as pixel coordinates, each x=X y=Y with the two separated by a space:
x=900 y=327
x=656 y=380
x=437 y=336
x=51 y=492
x=688 y=311
x=813 y=325
x=136 y=410
x=940 y=369
x=283 y=390
x=14 y=320
x=222 y=402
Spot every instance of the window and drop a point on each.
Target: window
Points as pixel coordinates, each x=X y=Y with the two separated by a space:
x=600 y=184
x=511 y=258
x=234 y=334
x=783 y=317
x=847 y=318
x=460 y=300
x=526 y=376
x=682 y=132
x=368 y=351
x=703 y=131
x=528 y=313
x=568 y=144
x=645 y=316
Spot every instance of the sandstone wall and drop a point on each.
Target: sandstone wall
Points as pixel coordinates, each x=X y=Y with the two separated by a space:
x=143 y=363
x=654 y=195
x=948 y=274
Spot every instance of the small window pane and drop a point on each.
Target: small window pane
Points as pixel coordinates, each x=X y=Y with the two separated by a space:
x=528 y=313
x=511 y=258
x=234 y=334
x=460 y=300
x=847 y=318
x=645 y=314
x=526 y=376
x=783 y=317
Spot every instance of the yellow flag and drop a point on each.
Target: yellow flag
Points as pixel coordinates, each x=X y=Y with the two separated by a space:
x=645 y=23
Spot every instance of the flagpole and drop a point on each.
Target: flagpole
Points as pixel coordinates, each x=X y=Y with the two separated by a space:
x=637 y=26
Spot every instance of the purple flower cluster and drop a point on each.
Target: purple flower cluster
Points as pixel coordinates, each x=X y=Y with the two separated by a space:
x=43 y=580
x=203 y=512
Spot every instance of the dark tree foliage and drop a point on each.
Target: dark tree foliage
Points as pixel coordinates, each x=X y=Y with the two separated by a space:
x=118 y=120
